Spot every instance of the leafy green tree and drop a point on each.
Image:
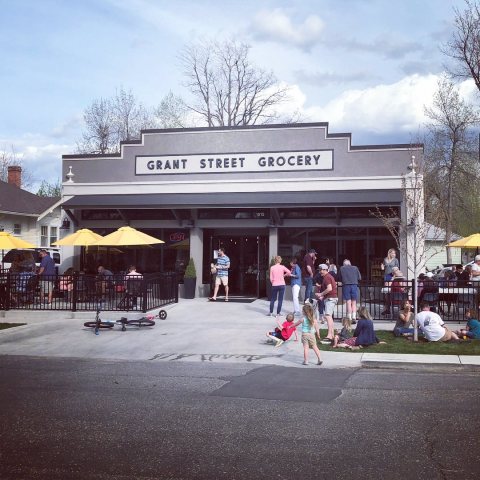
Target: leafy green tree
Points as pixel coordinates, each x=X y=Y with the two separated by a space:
x=50 y=189
x=449 y=162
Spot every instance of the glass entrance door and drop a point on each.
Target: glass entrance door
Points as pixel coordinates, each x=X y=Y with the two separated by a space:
x=248 y=263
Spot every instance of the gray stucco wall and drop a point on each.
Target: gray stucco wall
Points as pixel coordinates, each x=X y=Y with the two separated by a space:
x=348 y=161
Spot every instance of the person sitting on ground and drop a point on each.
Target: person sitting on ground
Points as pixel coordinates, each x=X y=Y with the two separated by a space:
x=432 y=325
x=404 y=321
x=364 y=334
x=472 y=329
x=345 y=332
x=284 y=330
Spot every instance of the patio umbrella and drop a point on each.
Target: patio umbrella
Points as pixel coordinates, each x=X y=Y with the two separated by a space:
x=473 y=241
x=8 y=241
x=126 y=236
x=81 y=238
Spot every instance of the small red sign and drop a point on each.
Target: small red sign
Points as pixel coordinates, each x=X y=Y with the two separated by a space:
x=177 y=237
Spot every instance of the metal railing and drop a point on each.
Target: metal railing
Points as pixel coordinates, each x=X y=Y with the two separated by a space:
x=449 y=301
x=26 y=291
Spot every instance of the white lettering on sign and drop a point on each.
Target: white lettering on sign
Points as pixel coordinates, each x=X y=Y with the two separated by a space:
x=231 y=163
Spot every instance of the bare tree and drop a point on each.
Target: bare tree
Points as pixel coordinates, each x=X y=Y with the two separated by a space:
x=10 y=158
x=130 y=116
x=172 y=112
x=228 y=89
x=464 y=46
x=98 y=136
x=451 y=121
x=108 y=121
x=410 y=231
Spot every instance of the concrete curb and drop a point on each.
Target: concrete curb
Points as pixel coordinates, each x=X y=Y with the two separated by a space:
x=420 y=367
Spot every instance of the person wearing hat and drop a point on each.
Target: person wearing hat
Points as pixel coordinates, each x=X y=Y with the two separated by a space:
x=328 y=293
x=308 y=270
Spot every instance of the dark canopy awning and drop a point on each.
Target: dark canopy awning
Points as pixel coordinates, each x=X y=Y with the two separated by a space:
x=218 y=200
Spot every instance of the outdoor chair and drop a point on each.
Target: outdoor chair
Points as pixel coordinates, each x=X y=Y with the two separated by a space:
x=134 y=289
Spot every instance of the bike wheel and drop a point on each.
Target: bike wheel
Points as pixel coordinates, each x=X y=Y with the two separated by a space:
x=141 y=322
x=162 y=314
x=100 y=325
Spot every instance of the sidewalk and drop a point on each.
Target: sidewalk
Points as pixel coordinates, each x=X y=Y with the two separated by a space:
x=197 y=330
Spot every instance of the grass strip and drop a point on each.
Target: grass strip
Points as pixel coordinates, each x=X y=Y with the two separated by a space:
x=4 y=326
x=404 y=345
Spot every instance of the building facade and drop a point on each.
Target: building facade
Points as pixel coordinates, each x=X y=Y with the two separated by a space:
x=258 y=191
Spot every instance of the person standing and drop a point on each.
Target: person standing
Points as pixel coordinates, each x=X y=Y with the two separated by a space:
x=388 y=264
x=277 y=278
x=350 y=277
x=308 y=270
x=310 y=333
x=475 y=274
x=47 y=275
x=222 y=266
x=296 y=283
x=328 y=293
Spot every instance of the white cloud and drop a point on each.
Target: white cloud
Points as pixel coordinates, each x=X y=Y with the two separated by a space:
x=276 y=25
x=388 y=110
x=41 y=158
x=382 y=109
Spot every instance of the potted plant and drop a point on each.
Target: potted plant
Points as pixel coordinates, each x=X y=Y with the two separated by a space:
x=190 y=280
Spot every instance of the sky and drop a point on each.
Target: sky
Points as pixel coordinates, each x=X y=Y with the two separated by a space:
x=367 y=67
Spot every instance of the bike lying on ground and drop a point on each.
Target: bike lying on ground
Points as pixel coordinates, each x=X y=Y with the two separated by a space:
x=147 y=321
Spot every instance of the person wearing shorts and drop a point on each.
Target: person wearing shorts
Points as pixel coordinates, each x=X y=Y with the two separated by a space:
x=350 y=277
x=309 y=331
x=222 y=266
x=47 y=275
x=328 y=293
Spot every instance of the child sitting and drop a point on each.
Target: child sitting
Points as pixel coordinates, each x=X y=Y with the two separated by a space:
x=472 y=329
x=345 y=332
x=284 y=330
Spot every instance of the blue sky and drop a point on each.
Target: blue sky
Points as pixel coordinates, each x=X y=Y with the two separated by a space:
x=365 y=66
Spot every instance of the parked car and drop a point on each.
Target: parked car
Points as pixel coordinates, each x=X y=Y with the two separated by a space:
x=439 y=272
x=54 y=253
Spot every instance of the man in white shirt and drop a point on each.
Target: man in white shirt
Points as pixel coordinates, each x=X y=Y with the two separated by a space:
x=432 y=325
x=476 y=269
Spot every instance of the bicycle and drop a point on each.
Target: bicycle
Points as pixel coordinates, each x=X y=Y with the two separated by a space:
x=147 y=321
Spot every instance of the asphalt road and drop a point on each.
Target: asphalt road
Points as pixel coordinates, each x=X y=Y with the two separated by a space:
x=86 y=419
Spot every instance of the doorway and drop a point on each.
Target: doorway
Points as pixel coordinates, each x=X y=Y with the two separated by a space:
x=248 y=262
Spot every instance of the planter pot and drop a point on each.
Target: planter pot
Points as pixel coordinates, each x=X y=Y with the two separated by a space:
x=189 y=286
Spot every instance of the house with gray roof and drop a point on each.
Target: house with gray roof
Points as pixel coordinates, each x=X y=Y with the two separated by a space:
x=26 y=215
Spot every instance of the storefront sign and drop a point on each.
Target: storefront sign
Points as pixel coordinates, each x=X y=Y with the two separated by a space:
x=239 y=162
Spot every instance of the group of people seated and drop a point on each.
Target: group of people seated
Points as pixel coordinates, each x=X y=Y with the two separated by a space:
x=99 y=285
x=431 y=325
x=362 y=336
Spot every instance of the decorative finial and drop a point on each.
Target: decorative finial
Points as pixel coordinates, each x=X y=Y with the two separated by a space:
x=70 y=175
